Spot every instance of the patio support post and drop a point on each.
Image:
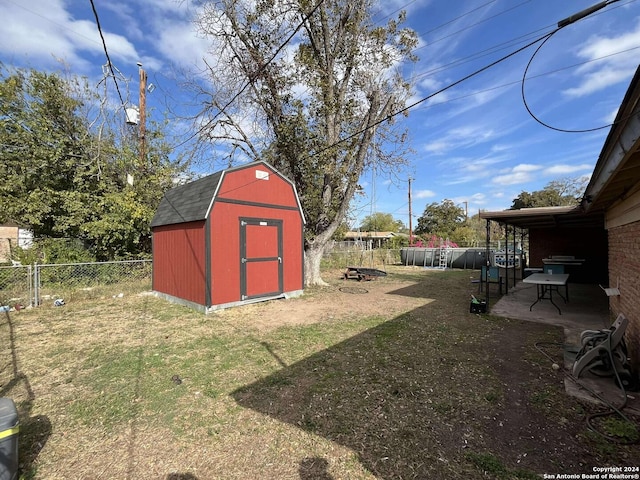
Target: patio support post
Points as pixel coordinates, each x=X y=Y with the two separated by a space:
x=488 y=256
x=514 y=255
x=506 y=257
x=523 y=259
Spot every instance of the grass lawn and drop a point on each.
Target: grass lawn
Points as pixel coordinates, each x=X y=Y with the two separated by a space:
x=388 y=379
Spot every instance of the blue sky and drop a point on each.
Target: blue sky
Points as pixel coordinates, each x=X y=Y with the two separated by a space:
x=475 y=143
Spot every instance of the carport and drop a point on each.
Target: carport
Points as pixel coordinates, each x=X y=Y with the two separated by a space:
x=556 y=231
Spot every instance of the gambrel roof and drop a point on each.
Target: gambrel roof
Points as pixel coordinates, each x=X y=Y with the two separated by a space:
x=187 y=203
x=192 y=201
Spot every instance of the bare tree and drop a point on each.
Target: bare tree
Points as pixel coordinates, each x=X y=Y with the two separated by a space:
x=312 y=88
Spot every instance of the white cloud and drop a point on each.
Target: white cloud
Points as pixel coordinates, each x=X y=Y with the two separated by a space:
x=526 y=167
x=610 y=60
x=567 y=169
x=460 y=137
x=474 y=199
x=179 y=43
x=424 y=194
x=43 y=32
x=598 y=80
x=522 y=173
x=439 y=147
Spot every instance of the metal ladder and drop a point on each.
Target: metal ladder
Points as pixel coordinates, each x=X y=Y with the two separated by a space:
x=444 y=253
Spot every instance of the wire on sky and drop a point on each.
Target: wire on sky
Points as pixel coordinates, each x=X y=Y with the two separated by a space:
x=561 y=24
x=106 y=52
x=437 y=92
x=258 y=72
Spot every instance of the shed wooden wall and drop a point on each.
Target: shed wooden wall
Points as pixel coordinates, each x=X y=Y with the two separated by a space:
x=248 y=185
x=179 y=261
x=225 y=249
x=245 y=193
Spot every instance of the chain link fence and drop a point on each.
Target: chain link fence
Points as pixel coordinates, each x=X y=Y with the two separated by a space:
x=464 y=258
x=349 y=257
x=34 y=285
x=16 y=285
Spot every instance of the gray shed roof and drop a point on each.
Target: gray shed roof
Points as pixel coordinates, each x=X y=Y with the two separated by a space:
x=187 y=203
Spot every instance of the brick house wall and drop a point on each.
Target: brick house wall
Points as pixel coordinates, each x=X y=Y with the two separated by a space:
x=589 y=243
x=623 y=225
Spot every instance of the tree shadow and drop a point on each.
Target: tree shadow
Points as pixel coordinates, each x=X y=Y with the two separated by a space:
x=377 y=394
x=181 y=476
x=34 y=430
x=314 y=468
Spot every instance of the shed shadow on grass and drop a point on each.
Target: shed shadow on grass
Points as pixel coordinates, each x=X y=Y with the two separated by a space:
x=397 y=395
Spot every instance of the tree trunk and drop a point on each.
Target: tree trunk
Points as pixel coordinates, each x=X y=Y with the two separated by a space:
x=312 y=258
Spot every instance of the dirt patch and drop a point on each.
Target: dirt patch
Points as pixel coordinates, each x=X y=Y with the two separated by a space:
x=342 y=299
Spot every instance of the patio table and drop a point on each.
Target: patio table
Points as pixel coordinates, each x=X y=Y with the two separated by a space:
x=549 y=283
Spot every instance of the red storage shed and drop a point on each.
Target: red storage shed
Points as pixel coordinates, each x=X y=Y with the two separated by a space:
x=229 y=238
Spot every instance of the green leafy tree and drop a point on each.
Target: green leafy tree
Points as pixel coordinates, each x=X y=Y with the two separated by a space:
x=322 y=140
x=381 y=222
x=65 y=174
x=47 y=184
x=558 y=193
x=440 y=219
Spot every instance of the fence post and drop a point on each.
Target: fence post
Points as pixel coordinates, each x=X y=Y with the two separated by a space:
x=30 y=280
x=36 y=285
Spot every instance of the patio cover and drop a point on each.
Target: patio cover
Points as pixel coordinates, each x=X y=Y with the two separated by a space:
x=546 y=217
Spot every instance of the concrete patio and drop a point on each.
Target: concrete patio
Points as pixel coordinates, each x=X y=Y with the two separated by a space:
x=587 y=309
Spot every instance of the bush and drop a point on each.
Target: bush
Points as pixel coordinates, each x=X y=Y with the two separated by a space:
x=54 y=250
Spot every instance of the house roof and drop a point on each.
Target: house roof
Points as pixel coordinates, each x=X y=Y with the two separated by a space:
x=187 y=203
x=617 y=172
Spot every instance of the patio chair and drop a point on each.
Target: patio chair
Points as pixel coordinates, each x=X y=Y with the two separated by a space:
x=492 y=275
x=553 y=268
x=604 y=353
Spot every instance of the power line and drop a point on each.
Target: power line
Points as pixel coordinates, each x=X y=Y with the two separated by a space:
x=106 y=52
x=235 y=97
x=397 y=10
x=562 y=24
x=482 y=53
x=472 y=25
x=424 y=99
x=33 y=12
x=257 y=73
x=458 y=17
x=497 y=47
x=519 y=81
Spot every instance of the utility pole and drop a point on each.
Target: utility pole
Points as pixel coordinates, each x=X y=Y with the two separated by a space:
x=143 y=114
x=410 y=224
